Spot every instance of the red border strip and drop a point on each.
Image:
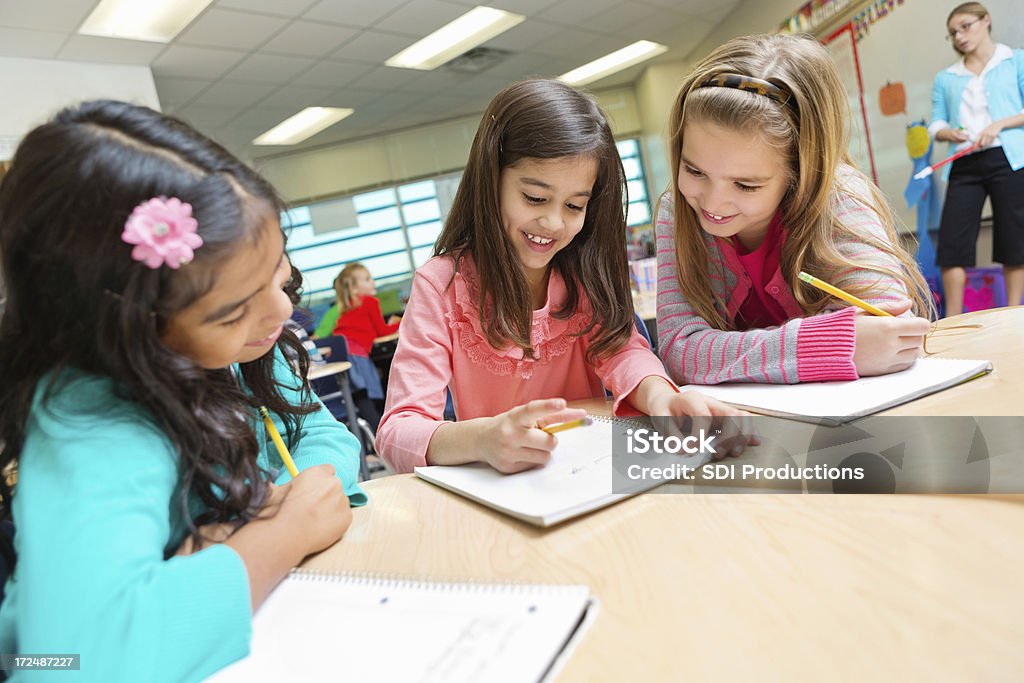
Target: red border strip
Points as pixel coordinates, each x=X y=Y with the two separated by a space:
x=860 y=91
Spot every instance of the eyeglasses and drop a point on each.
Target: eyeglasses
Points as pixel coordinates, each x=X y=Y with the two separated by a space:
x=964 y=27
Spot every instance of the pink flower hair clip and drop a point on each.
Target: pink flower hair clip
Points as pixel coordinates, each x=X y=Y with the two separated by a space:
x=163 y=232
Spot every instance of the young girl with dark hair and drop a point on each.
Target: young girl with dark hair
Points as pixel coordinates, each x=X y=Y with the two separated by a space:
x=150 y=521
x=526 y=303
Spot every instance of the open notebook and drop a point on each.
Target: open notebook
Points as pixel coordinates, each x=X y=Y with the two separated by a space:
x=319 y=626
x=578 y=479
x=837 y=403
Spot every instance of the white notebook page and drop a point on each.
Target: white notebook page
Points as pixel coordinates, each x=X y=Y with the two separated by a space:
x=340 y=627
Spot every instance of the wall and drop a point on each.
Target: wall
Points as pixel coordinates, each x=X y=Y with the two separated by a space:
x=35 y=89
x=404 y=155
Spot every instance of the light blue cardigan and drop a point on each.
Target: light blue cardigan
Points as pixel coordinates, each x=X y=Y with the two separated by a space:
x=96 y=514
x=1004 y=90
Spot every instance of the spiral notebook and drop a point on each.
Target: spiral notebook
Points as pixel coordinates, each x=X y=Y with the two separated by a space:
x=835 y=403
x=578 y=479
x=318 y=626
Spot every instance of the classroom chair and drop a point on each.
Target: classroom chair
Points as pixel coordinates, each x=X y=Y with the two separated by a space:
x=330 y=393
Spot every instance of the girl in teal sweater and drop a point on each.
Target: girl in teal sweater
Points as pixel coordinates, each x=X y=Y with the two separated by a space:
x=151 y=515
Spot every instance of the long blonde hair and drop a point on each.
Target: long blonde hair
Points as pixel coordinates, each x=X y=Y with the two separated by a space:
x=811 y=132
x=345 y=287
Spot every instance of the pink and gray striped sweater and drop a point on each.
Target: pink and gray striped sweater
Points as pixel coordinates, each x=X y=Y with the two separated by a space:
x=800 y=349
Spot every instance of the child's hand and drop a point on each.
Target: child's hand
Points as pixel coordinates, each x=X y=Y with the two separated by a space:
x=394 y=319
x=952 y=135
x=512 y=442
x=886 y=345
x=708 y=414
x=314 y=504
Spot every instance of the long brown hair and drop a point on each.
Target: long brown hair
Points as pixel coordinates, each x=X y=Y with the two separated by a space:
x=811 y=132
x=73 y=182
x=544 y=119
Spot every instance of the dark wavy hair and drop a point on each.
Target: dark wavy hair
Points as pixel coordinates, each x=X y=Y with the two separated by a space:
x=78 y=302
x=544 y=119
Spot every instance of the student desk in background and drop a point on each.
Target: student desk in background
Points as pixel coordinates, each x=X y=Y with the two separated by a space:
x=382 y=353
x=339 y=370
x=736 y=587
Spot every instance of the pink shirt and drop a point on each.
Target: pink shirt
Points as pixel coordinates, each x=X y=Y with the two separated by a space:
x=760 y=309
x=442 y=344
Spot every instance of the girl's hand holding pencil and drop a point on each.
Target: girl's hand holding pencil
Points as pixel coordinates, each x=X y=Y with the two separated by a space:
x=516 y=440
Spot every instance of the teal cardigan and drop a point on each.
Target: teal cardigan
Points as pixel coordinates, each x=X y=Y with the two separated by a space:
x=96 y=513
x=1004 y=91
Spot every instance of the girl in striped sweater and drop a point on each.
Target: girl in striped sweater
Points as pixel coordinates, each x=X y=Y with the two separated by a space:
x=766 y=188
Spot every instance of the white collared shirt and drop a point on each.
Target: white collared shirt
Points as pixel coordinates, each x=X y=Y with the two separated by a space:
x=974 y=113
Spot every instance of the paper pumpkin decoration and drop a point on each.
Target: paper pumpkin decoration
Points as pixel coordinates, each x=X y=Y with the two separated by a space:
x=892 y=99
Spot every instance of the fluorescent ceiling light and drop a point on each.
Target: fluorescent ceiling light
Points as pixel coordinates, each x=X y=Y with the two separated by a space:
x=157 y=21
x=639 y=51
x=306 y=123
x=476 y=26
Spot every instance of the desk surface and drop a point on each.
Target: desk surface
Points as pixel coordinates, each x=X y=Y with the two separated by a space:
x=386 y=338
x=328 y=369
x=725 y=587
x=722 y=587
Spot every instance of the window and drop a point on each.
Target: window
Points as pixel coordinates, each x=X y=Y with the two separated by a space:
x=392 y=230
x=638 y=211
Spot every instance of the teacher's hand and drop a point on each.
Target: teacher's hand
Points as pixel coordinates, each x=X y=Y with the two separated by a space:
x=952 y=135
x=989 y=134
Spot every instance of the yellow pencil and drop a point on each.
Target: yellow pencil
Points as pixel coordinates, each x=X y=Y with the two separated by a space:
x=840 y=294
x=279 y=442
x=582 y=422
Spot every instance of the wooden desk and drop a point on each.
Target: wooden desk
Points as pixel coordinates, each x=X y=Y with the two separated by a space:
x=742 y=587
x=386 y=338
x=339 y=370
x=1000 y=339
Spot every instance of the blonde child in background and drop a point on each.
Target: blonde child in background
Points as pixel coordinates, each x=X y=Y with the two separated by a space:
x=360 y=321
x=526 y=303
x=765 y=188
x=150 y=521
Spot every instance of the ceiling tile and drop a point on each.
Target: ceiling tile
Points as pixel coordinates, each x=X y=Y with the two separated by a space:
x=177 y=91
x=285 y=8
x=310 y=39
x=332 y=74
x=359 y=13
x=397 y=101
x=623 y=14
x=264 y=68
x=350 y=98
x=195 y=62
x=576 y=12
x=433 y=82
x=262 y=119
x=206 y=117
x=228 y=28
x=524 y=7
x=421 y=17
x=22 y=42
x=526 y=35
x=387 y=78
x=585 y=45
x=45 y=15
x=234 y=94
x=373 y=46
x=116 y=50
x=296 y=97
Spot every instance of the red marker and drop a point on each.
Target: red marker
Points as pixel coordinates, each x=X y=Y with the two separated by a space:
x=925 y=172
